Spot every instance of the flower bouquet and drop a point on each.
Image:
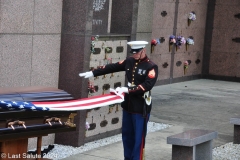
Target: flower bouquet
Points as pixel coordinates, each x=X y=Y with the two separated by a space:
x=154 y=42
x=191 y=17
x=185 y=67
x=91 y=88
x=189 y=41
x=180 y=40
x=93 y=39
x=87 y=126
x=172 y=40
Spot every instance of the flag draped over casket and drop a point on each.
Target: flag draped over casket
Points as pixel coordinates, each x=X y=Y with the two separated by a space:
x=68 y=105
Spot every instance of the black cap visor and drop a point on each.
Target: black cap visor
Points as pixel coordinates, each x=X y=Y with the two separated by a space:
x=133 y=51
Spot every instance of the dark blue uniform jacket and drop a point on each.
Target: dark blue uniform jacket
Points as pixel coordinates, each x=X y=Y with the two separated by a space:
x=142 y=74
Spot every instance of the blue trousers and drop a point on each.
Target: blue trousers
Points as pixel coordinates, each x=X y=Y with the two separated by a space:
x=133 y=135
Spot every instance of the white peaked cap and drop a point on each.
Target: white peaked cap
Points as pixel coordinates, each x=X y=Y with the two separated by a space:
x=137 y=44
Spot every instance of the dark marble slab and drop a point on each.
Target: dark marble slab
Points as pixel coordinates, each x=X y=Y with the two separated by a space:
x=192 y=137
x=236 y=133
x=236 y=136
x=123 y=17
x=100 y=17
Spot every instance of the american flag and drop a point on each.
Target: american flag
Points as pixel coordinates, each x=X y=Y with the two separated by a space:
x=69 y=105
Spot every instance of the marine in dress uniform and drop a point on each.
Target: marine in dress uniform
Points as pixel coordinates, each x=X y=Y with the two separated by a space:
x=141 y=74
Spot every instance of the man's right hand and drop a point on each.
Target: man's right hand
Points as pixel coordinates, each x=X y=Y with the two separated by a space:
x=86 y=74
x=122 y=89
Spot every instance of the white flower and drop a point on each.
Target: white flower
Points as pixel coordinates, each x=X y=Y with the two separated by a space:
x=190 y=41
x=87 y=126
x=192 y=16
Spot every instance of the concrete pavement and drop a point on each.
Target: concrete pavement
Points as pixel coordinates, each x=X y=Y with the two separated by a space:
x=197 y=104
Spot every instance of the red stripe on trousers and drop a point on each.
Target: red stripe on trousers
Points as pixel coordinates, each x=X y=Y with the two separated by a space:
x=141 y=152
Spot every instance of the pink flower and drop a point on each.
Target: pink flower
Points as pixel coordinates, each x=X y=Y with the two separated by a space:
x=172 y=40
x=87 y=126
x=186 y=64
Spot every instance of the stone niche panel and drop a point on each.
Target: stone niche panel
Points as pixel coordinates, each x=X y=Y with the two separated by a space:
x=178 y=65
x=224 y=64
x=45 y=60
x=144 y=37
x=16 y=16
x=47 y=16
x=224 y=17
x=183 y=11
x=162 y=48
x=161 y=20
x=164 y=63
x=198 y=36
x=15 y=57
x=144 y=16
x=194 y=68
x=222 y=40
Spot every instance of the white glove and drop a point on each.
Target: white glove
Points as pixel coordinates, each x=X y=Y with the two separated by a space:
x=86 y=74
x=122 y=89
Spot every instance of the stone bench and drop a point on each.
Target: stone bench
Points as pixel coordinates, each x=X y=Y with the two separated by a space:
x=193 y=144
x=236 y=134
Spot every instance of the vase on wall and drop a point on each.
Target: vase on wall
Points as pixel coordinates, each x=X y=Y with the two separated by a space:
x=189 y=22
x=152 y=48
x=185 y=70
x=170 y=47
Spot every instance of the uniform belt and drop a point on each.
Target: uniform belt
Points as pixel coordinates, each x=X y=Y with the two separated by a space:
x=146 y=96
x=130 y=84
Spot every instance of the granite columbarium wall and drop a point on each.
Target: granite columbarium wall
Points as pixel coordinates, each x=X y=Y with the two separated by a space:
x=171 y=18
x=224 y=52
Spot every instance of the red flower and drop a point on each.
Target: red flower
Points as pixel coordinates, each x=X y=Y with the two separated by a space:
x=154 y=42
x=91 y=87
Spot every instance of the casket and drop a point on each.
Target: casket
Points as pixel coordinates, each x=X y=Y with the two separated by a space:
x=17 y=125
